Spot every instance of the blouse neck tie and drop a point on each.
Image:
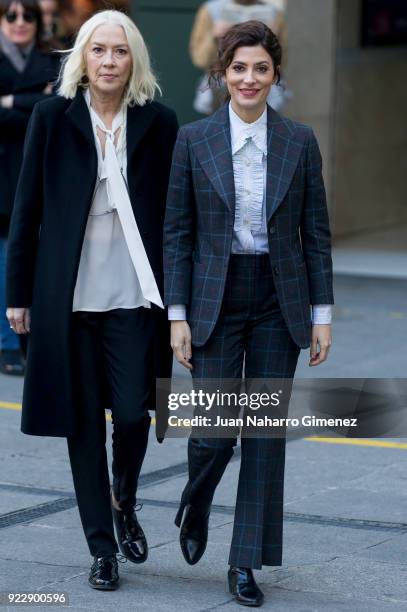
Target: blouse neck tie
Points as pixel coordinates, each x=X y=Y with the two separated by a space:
x=119 y=199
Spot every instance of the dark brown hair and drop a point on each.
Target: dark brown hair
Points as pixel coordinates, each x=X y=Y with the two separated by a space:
x=247 y=34
x=32 y=6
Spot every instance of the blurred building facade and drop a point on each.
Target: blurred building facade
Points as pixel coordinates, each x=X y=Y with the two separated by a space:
x=353 y=95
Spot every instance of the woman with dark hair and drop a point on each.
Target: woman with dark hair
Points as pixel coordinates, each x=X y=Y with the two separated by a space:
x=27 y=71
x=248 y=281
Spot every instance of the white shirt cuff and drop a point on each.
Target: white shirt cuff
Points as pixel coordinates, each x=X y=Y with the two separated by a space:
x=177 y=312
x=321 y=314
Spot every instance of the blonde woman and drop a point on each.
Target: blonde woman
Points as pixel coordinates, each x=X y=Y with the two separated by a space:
x=84 y=274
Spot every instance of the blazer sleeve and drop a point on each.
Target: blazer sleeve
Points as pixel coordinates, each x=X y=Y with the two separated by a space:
x=314 y=229
x=26 y=218
x=179 y=226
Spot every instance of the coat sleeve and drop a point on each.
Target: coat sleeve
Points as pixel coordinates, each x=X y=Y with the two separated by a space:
x=12 y=119
x=314 y=229
x=179 y=226
x=169 y=136
x=27 y=101
x=26 y=218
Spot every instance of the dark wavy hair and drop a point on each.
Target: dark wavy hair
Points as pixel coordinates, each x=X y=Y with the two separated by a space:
x=247 y=34
x=33 y=7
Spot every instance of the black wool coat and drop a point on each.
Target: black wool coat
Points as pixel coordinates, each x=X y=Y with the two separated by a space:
x=52 y=203
x=27 y=89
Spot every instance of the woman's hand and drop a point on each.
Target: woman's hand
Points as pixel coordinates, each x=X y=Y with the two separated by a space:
x=19 y=319
x=48 y=89
x=7 y=101
x=322 y=338
x=181 y=342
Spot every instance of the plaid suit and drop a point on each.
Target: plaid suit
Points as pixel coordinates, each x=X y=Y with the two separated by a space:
x=200 y=216
x=245 y=309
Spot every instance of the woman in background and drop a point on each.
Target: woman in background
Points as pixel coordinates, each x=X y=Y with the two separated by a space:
x=28 y=70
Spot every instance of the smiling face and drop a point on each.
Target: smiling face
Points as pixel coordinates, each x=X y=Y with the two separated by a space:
x=19 y=25
x=108 y=60
x=249 y=79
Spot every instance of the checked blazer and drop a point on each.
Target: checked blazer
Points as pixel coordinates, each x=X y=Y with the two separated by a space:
x=199 y=222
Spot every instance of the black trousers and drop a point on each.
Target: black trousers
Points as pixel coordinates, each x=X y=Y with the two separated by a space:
x=113 y=363
x=250 y=331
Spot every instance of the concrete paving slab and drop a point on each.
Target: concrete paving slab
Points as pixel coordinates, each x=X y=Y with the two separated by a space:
x=356 y=504
x=145 y=592
x=304 y=543
x=388 y=550
x=16 y=500
x=318 y=468
x=362 y=578
x=11 y=388
x=278 y=599
x=30 y=576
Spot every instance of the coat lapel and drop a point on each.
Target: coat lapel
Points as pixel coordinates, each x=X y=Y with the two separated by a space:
x=283 y=152
x=38 y=71
x=78 y=113
x=139 y=119
x=214 y=153
x=84 y=156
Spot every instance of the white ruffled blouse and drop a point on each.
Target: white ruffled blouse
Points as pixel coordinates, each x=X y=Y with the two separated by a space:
x=112 y=250
x=249 y=156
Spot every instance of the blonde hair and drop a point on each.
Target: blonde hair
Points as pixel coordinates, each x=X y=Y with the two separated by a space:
x=142 y=83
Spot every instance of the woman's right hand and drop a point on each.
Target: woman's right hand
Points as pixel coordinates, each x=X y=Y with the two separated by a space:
x=181 y=342
x=19 y=319
x=48 y=89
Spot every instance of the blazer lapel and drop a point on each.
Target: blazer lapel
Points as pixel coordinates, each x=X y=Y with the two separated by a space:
x=283 y=153
x=214 y=153
x=139 y=119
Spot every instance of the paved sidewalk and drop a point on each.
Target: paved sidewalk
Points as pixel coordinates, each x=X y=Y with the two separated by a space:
x=345 y=528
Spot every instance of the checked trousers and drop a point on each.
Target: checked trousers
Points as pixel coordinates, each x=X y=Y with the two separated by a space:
x=250 y=335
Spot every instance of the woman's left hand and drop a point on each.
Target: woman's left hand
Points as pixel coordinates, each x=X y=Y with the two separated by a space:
x=19 y=319
x=320 y=344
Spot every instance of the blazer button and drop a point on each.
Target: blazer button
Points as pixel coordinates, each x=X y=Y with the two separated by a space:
x=272 y=229
x=276 y=271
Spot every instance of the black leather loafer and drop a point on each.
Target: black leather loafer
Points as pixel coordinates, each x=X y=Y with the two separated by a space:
x=194 y=534
x=131 y=538
x=243 y=587
x=104 y=573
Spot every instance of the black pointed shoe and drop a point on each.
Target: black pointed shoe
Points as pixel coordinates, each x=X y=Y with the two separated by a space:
x=243 y=587
x=194 y=534
x=104 y=573
x=131 y=538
